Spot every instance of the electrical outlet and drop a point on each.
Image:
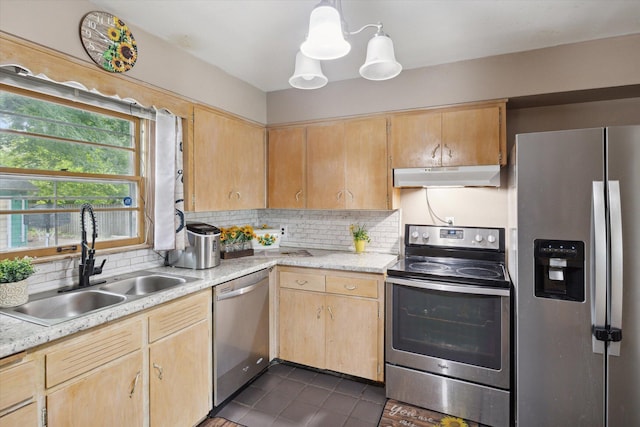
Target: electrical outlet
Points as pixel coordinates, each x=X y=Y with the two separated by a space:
x=450 y=220
x=283 y=232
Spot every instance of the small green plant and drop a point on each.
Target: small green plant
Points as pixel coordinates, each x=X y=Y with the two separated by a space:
x=15 y=270
x=359 y=232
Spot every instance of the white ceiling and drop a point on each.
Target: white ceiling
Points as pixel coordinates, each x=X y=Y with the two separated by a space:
x=256 y=40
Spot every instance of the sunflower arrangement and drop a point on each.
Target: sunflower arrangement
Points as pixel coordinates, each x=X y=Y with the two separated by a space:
x=122 y=53
x=236 y=235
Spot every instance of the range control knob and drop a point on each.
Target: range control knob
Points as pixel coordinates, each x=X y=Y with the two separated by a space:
x=479 y=238
x=414 y=235
x=425 y=236
x=491 y=238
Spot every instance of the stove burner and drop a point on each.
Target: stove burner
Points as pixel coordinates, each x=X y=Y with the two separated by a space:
x=429 y=267
x=478 y=272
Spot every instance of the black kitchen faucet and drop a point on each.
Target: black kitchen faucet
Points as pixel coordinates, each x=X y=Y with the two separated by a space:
x=87 y=267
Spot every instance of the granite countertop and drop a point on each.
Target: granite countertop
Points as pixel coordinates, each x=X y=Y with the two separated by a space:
x=18 y=335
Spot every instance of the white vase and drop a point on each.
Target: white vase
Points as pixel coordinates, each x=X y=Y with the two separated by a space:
x=14 y=294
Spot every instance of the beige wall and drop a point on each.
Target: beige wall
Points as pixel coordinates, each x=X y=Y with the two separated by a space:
x=55 y=24
x=589 y=65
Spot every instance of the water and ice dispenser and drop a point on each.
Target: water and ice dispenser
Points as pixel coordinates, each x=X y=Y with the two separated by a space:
x=559 y=269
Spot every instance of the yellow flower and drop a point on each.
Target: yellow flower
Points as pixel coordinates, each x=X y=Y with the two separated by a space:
x=119 y=23
x=114 y=34
x=127 y=53
x=118 y=65
x=452 y=422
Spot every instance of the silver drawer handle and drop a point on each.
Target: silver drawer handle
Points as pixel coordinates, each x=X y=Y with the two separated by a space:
x=159 y=369
x=350 y=287
x=133 y=386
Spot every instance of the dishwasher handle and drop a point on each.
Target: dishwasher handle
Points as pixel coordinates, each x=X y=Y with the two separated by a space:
x=238 y=292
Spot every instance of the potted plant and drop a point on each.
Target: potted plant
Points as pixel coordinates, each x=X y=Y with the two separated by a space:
x=360 y=237
x=13 y=281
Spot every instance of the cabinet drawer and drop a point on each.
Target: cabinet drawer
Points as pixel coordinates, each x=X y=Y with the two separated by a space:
x=302 y=281
x=178 y=315
x=17 y=384
x=26 y=416
x=352 y=286
x=90 y=351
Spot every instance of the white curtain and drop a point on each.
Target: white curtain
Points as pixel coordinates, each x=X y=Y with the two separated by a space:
x=169 y=222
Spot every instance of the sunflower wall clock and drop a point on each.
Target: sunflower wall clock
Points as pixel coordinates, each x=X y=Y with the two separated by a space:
x=108 y=41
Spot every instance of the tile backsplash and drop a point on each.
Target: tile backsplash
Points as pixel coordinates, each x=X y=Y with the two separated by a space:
x=304 y=229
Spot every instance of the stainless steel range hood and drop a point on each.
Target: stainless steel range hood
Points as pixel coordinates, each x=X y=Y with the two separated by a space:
x=462 y=176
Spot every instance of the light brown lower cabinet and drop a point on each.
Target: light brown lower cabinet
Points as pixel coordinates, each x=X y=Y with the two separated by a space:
x=23 y=417
x=151 y=369
x=109 y=396
x=18 y=391
x=332 y=320
x=178 y=384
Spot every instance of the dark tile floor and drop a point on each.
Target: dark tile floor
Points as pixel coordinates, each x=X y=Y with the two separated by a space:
x=288 y=396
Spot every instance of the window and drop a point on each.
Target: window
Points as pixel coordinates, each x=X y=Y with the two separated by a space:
x=56 y=155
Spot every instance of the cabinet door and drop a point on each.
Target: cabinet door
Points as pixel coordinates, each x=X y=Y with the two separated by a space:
x=248 y=167
x=287 y=186
x=212 y=181
x=228 y=162
x=326 y=166
x=110 y=396
x=301 y=327
x=178 y=381
x=352 y=336
x=471 y=137
x=366 y=180
x=416 y=140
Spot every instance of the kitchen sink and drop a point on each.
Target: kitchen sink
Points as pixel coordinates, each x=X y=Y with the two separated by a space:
x=143 y=285
x=51 y=310
x=52 y=307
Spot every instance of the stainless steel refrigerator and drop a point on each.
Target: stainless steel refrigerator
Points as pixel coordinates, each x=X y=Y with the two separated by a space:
x=575 y=262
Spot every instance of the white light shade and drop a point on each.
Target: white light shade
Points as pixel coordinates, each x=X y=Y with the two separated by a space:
x=381 y=61
x=325 y=39
x=308 y=73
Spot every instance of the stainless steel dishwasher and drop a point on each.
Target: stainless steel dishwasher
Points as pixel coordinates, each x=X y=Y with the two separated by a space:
x=240 y=333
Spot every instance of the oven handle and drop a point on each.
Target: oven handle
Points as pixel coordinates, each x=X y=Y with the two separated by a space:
x=459 y=289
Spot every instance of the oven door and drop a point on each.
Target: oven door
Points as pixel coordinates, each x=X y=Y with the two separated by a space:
x=458 y=331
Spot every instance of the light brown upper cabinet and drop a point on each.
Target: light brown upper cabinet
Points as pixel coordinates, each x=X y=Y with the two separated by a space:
x=416 y=139
x=228 y=163
x=459 y=136
x=474 y=136
x=347 y=165
x=366 y=150
x=287 y=165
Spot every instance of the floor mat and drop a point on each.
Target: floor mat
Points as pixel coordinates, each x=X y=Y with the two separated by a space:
x=218 y=422
x=398 y=414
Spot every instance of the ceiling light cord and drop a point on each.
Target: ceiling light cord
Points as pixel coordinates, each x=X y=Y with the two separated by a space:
x=378 y=26
x=431 y=212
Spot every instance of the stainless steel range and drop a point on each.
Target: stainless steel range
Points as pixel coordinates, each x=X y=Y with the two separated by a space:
x=448 y=316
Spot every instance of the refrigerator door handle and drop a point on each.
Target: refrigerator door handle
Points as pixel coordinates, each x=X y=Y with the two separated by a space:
x=615 y=219
x=599 y=265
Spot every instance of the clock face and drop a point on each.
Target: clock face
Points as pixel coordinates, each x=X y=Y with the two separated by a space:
x=108 y=41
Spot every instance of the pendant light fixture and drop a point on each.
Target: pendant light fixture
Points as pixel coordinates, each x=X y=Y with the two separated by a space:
x=308 y=73
x=326 y=41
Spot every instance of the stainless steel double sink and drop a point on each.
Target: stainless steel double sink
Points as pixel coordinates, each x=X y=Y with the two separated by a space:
x=52 y=307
